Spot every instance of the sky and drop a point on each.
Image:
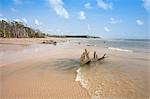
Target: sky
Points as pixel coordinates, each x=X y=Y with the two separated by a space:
x=104 y=18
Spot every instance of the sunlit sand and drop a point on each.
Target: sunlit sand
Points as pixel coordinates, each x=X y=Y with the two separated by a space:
x=31 y=70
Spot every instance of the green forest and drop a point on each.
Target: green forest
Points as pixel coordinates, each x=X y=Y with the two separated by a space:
x=18 y=30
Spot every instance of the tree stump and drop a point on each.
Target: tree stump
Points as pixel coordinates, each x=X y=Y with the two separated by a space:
x=85 y=58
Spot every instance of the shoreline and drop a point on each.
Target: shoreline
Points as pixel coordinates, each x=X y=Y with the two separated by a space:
x=43 y=66
x=33 y=75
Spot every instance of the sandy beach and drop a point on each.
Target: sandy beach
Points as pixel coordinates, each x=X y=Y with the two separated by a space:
x=74 y=49
x=31 y=70
x=33 y=76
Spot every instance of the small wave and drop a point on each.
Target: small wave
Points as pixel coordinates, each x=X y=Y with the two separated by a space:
x=80 y=78
x=119 y=49
x=85 y=84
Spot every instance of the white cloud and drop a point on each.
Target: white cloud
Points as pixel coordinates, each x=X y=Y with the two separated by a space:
x=24 y=20
x=58 y=7
x=88 y=5
x=36 y=21
x=139 y=22
x=147 y=5
x=81 y=15
x=13 y=9
x=114 y=21
x=3 y=18
x=104 y=5
x=17 y=2
x=17 y=20
x=106 y=29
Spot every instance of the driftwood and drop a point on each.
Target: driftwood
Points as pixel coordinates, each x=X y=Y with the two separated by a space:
x=49 y=42
x=85 y=58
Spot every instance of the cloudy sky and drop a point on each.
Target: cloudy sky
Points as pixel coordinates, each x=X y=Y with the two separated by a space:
x=105 y=18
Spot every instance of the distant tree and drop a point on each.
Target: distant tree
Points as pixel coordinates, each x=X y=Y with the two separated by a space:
x=18 y=30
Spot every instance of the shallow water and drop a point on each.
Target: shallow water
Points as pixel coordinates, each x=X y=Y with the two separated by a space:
x=131 y=45
x=10 y=53
x=123 y=75
x=115 y=78
x=105 y=81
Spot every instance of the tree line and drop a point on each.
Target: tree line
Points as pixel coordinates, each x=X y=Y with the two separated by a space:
x=16 y=29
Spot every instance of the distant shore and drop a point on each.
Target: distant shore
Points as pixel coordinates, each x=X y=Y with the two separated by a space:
x=73 y=36
x=16 y=29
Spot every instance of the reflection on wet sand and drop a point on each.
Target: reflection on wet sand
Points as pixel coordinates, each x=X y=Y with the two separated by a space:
x=102 y=81
x=47 y=71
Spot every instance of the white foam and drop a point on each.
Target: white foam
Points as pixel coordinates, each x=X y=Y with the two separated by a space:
x=81 y=79
x=96 y=95
x=119 y=49
x=85 y=84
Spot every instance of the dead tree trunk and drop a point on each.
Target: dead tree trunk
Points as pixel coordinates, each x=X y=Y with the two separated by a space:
x=85 y=58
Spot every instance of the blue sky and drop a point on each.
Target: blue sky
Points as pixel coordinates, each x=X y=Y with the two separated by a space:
x=105 y=18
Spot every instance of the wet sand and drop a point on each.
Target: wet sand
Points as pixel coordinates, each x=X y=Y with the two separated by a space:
x=31 y=70
x=123 y=75
x=38 y=81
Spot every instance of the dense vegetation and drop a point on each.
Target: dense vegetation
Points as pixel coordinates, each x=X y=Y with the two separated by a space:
x=18 y=30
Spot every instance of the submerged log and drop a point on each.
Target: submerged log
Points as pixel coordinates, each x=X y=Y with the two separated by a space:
x=49 y=42
x=85 y=58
